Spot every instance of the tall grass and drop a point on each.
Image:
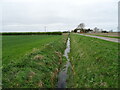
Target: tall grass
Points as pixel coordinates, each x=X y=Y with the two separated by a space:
x=94 y=63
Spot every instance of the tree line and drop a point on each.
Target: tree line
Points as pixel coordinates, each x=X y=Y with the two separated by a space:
x=81 y=28
x=32 y=33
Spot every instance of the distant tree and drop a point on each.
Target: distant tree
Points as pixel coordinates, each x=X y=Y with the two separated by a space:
x=81 y=26
x=75 y=30
x=104 y=31
x=65 y=31
x=88 y=30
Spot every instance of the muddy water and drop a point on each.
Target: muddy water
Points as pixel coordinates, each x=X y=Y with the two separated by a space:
x=63 y=73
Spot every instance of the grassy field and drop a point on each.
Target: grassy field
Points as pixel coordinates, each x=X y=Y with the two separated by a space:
x=32 y=61
x=14 y=47
x=94 y=63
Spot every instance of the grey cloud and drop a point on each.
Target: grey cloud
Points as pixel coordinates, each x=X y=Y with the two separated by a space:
x=33 y=16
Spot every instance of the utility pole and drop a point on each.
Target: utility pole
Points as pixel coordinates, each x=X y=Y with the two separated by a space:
x=45 y=29
x=118 y=16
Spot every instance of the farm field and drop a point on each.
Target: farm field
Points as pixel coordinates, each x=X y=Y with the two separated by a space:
x=14 y=47
x=35 y=61
x=94 y=63
x=31 y=61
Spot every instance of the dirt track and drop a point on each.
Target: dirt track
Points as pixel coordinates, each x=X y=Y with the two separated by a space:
x=104 y=38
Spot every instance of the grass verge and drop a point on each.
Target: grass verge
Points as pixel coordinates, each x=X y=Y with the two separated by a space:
x=94 y=63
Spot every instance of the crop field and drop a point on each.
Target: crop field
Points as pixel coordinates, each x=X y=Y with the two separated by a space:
x=94 y=63
x=14 y=47
x=31 y=61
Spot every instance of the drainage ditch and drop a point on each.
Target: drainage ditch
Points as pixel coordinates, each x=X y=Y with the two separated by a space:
x=62 y=77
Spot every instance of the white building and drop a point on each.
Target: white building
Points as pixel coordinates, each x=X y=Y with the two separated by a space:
x=78 y=31
x=119 y=16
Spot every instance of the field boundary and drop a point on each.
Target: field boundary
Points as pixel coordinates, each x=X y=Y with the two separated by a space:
x=31 y=33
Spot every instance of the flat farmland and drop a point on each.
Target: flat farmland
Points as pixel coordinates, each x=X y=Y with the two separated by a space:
x=15 y=47
x=43 y=61
x=32 y=60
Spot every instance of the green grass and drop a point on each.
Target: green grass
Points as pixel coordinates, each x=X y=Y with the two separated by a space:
x=15 y=47
x=32 y=61
x=94 y=63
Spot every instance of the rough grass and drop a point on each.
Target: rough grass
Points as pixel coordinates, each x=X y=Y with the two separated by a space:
x=94 y=63
x=38 y=68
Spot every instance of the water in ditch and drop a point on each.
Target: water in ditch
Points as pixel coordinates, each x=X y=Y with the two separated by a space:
x=63 y=73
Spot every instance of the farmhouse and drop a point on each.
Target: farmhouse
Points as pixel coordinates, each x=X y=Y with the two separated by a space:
x=83 y=30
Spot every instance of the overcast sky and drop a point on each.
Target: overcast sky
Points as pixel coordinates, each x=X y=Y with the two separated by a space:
x=58 y=15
